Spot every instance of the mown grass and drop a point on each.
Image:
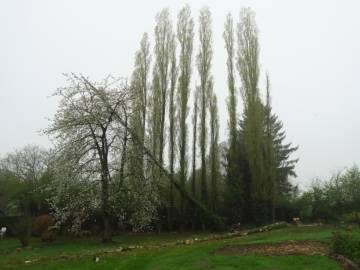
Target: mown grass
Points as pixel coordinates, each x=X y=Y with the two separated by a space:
x=66 y=246
x=78 y=253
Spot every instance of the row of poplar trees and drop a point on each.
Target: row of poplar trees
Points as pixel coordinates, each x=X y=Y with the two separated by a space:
x=239 y=181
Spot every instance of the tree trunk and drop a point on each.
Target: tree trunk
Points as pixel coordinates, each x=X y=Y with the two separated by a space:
x=273 y=212
x=171 y=207
x=106 y=237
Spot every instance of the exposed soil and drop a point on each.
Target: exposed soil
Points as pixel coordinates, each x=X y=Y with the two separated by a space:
x=277 y=249
x=307 y=248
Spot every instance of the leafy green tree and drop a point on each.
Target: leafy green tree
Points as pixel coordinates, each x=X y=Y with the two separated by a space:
x=24 y=175
x=336 y=198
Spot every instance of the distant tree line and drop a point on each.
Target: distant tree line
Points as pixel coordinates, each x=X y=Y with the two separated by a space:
x=126 y=156
x=333 y=199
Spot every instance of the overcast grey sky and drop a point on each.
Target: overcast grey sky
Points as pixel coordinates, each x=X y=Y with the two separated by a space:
x=311 y=50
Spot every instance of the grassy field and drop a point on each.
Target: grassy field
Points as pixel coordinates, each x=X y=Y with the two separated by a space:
x=79 y=253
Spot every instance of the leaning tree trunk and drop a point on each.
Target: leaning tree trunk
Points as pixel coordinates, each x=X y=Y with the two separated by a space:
x=216 y=220
x=207 y=214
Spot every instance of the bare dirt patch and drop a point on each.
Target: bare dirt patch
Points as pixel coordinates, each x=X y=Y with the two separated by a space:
x=295 y=248
x=308 y=248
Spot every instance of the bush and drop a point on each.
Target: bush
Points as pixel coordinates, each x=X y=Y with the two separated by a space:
x=343 y=243
x=10 y=222
x=353 y=217
x=48 y=236
x=41 y=224
x=23 y=230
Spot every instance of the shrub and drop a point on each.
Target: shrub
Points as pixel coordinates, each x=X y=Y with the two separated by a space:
x=23 y=230
x=343 y=243
x=9 y=222
x=41 y=224
x=48 y=236
x=353 y=217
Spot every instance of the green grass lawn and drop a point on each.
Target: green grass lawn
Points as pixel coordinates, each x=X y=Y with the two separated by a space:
x=78 y=253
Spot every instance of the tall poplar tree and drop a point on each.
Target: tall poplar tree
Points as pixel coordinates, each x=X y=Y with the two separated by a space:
x=214 y=151
x=162 y=52
x=195 y=127
x=231 y=102
x=185 y=35
x=204 y=59
x=154 y=124
x=139 y=88
x=248 y=67
x=194 y=141
x=233 y=177
x=172 y=123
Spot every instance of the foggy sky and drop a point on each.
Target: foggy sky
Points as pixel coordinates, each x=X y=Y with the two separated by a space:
x=311 y=50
